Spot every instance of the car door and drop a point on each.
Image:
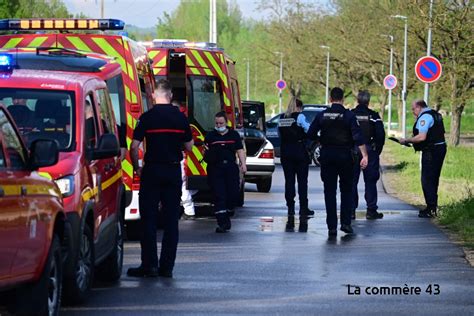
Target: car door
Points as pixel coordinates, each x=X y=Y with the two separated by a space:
x=18 y=246
x=10 y=216
x=272 y=133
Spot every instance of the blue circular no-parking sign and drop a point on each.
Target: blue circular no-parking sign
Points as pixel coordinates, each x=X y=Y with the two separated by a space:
x=390 y=82
x=428 y=69
x=281 y=84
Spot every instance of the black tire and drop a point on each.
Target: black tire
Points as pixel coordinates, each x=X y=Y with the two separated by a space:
x=43 y=297
x=315 y=151
x=110 y=269
x=77 y=286
x=264 y=185
x=132 y=229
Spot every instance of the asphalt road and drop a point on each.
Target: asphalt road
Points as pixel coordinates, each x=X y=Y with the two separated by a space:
x=257 y=268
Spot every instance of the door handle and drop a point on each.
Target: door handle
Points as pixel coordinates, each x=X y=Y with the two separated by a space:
x=2 y=192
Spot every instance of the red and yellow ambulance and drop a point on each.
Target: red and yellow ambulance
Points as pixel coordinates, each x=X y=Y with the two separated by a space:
x=205 y=82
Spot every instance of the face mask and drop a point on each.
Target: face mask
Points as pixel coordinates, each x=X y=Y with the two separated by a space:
x=221 y=129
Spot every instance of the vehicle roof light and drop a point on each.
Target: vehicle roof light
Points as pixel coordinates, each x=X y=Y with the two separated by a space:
x=61 y=24
x=176 y=43
x=6 y=63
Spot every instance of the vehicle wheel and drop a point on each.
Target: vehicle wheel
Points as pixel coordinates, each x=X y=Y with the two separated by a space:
x=44 y=296
x=133 y=230
x=264 y=185
x=111 y=269
x=315 y=153
x=241 y=200
x=77 y=287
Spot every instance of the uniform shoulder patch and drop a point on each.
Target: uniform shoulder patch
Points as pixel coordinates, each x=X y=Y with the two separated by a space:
x=422 y=122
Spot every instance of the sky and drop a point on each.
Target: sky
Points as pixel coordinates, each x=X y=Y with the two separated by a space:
x=144 y=13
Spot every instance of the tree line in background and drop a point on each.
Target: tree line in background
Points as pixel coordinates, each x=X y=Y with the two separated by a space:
x=359 y=52
x=353 y=31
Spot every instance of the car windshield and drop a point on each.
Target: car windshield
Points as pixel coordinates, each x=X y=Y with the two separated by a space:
x=254 y=133
x=311 y=114
x=42 y=114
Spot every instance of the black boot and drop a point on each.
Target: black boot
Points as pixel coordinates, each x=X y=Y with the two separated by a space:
x=303 y=228
x=373 y=214
x=290 y=224
x=223 y=221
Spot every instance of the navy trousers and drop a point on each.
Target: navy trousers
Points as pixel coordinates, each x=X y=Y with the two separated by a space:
x=224 y=181
x=371 y=176
x=431 y=163
x=295 y=163
x=159 y=183
x=337 y=163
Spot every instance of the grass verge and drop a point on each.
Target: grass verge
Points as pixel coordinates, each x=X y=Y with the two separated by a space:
x=402 y=179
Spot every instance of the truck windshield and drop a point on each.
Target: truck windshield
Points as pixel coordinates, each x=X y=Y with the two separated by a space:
x=42 y=114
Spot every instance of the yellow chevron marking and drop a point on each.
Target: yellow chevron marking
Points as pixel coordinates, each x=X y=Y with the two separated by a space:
x=127 y=168
x=134 y=97
x=125 y=44
x=13 y=42
x=226 y=100
x=78 y=43
x=110 y=51
x=152 y=54
x=127 y=93
x=37 y=42
x=198 y=57
x=217 y=68
x=192 y=167
x=208 y=72
x=199 y=157
x=195 y=71
x=161 y=63
x=130 y=72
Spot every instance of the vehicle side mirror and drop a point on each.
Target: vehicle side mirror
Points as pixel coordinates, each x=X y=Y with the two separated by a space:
x=108 y=147
x=43 y=153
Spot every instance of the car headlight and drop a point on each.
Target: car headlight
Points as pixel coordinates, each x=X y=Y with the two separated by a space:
x=66 y=185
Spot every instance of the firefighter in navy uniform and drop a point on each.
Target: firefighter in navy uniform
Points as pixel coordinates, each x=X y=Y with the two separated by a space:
x=374 y=134
x=295 y=161
x=222 y=170
x=428 y=137
x=340 y=132
x=165 y=130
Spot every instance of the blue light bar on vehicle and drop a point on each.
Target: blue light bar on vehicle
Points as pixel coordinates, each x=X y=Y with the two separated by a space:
x=177 y=43
x=61 y=24
x=6 y=62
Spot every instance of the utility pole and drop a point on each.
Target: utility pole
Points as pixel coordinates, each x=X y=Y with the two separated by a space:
x=404 y=91
x=212 y=21
x=327 y=73
x=280 y=97
x=390 y=90
x=248 y=78
x=428 y=52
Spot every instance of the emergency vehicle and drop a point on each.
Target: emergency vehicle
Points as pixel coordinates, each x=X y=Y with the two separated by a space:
x=131 y=93
x=31 y=224
x=204 y=81
x=71 y=105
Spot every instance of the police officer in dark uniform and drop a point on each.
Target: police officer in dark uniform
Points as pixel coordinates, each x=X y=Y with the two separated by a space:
x=222 y=170
x=340 y=132
x=428 y=137
x=165 y=130
x=374 y=134
x=295 y=161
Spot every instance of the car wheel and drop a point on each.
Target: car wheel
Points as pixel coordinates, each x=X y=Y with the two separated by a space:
x=44 y=296
x=111 y=269
x=315 y=153
x=264 y=185
x=77 y=286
